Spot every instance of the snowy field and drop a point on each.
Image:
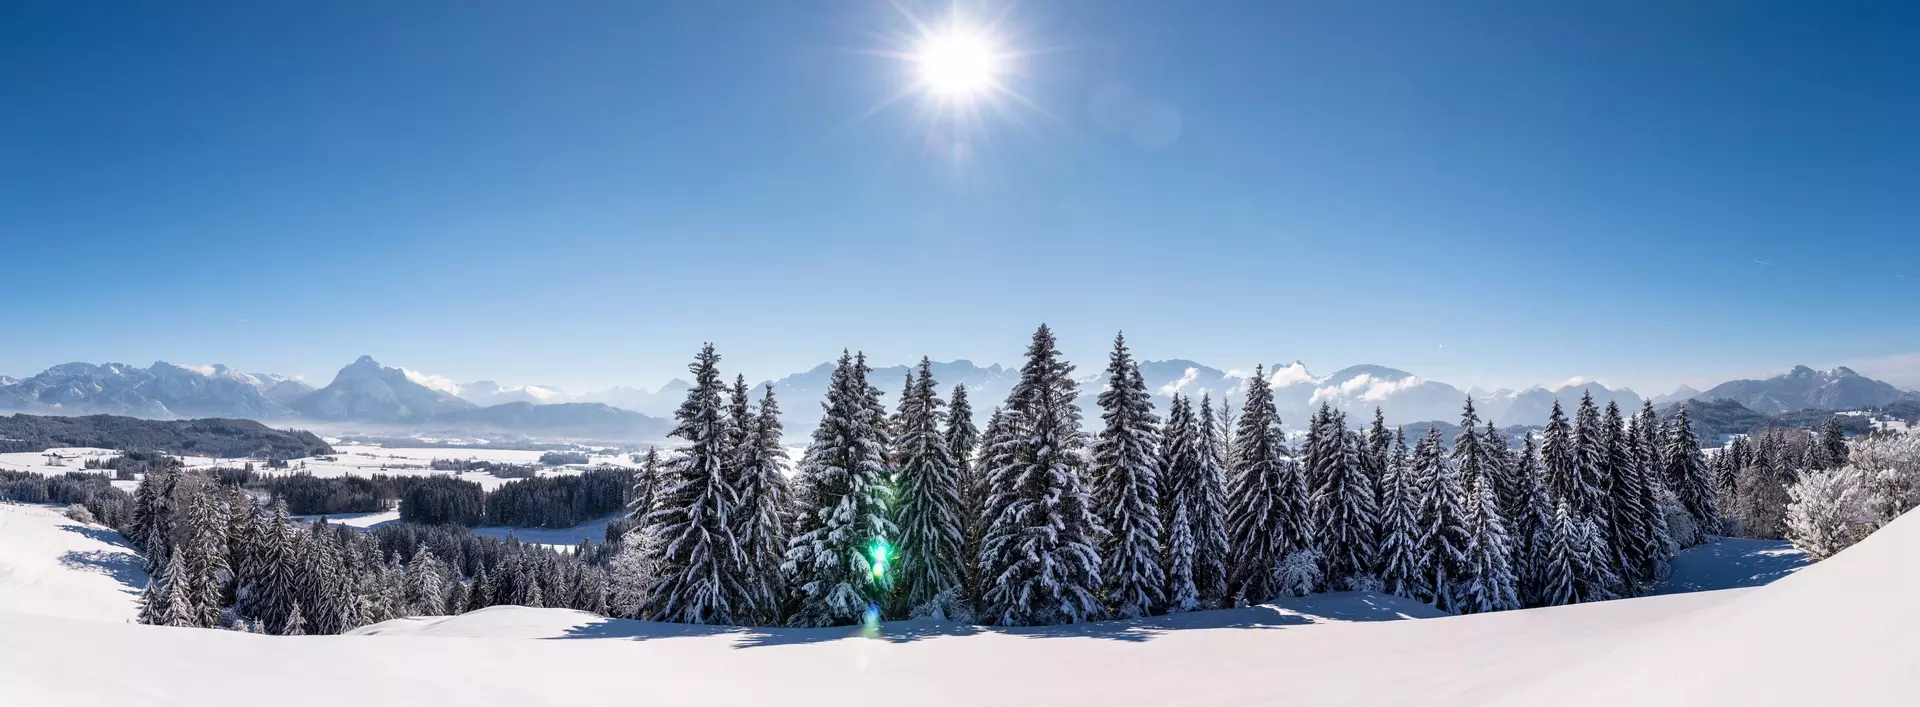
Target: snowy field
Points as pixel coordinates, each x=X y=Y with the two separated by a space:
x=54 y=566
x=1832 y=633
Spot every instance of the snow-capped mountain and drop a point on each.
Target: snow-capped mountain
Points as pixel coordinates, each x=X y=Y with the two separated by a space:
x=658 y=403
x=597 y=421
x=1533 y=405
x=1803 y=388
x=490 y=393
x=368 y=391
x=162 y=391
x=7 y=381
x=1684 y=392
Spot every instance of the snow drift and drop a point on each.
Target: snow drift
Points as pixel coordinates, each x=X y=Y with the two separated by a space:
x=1827 y=634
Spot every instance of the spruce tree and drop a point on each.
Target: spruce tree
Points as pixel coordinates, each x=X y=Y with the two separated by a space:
x=1531 y=527
x=1264 y=504
x=930 y=507
x=1589 y=459
x=178 y=589
x=839 y=561
x=761 y=514
x=1558 y=567
x=963 y=439
x=1558 y=461
x=1126 y=490
x=296 y=623
x=701 y=566
x=1489 y=584
x=1348 y=511
x=1686 y=473
x=646 y=484
x=1832 y=444
x=1443 y=530
x=1655 y=544
x=1400 y=569
x=1625 y=515
x=1040 y=556
x=1203 y=495
x=1179 y=463
x=740 y=418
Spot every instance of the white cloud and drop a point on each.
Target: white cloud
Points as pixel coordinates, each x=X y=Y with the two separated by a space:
x=440 y=383
x=1573 y=382
x=1366 y=388
x=1291 y=374
x=202 y=370
x=1186 y=379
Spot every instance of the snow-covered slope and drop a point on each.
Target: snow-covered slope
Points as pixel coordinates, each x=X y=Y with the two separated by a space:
x=58 y=567
x=1833 y=633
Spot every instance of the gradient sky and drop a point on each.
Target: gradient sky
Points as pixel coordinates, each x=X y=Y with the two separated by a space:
x=579 y=194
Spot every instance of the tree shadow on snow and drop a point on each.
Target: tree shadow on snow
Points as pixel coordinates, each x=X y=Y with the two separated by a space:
x=124 y=567
x=1320 y=608
x=1730 y=563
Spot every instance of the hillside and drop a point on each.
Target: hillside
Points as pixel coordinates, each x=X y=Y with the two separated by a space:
x=54 y=566
x=207 y=437
x=1832 y=633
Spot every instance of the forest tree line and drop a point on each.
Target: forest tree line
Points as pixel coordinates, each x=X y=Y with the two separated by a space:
x=1032 y=520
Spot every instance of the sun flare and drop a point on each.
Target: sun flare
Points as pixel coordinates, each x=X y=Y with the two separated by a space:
x=957 y=62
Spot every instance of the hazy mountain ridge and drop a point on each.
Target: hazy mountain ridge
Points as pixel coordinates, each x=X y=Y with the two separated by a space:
x=1804 y=388
x=366 y=391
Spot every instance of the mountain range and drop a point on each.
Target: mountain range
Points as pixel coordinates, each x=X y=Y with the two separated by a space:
x=367 y=392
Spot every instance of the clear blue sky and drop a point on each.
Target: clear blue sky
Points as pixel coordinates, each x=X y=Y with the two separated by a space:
x=579 y=194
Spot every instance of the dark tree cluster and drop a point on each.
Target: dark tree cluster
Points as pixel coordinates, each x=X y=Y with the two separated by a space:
x=306 y=494
x=433 y=500
x=212 y=437
x=108 y=505
x=129 y=463
x=559 y=501
x=564 y=458
x=498 y=469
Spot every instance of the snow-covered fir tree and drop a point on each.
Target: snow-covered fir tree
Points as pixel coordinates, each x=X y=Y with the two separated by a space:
x=1346 y=509
x=646 y=483
x=1399 y=567
x=426 y=580
x=963 y=440
x=1179 y=460
x=1264 y=503
x=1126 y=490
x=1204 y=496
x=761 y=513
x=177 y=594
x=1589 y=460
x=1686 y=472
x=1530 y=525
x=1443 y=530
x=1489 y=584
x=929 y=509
x=1040 y=556
x=838 y=562
x=701 y=568
x=1626 y=517
x=296 y=623
x=1559 y=566
x=740 y=417
x=1558 y=461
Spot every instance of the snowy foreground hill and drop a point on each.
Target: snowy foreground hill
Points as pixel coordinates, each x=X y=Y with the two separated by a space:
x=1833 y=633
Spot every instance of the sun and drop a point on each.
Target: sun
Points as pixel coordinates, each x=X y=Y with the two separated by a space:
x=957 y=62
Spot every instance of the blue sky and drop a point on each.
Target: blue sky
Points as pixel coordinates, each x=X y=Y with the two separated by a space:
x=579 y=194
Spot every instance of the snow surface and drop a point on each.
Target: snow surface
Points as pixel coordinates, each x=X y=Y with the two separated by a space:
x=54 y=566
x=1833 y=633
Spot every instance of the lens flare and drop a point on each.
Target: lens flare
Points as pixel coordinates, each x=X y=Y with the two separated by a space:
x=879 y=553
